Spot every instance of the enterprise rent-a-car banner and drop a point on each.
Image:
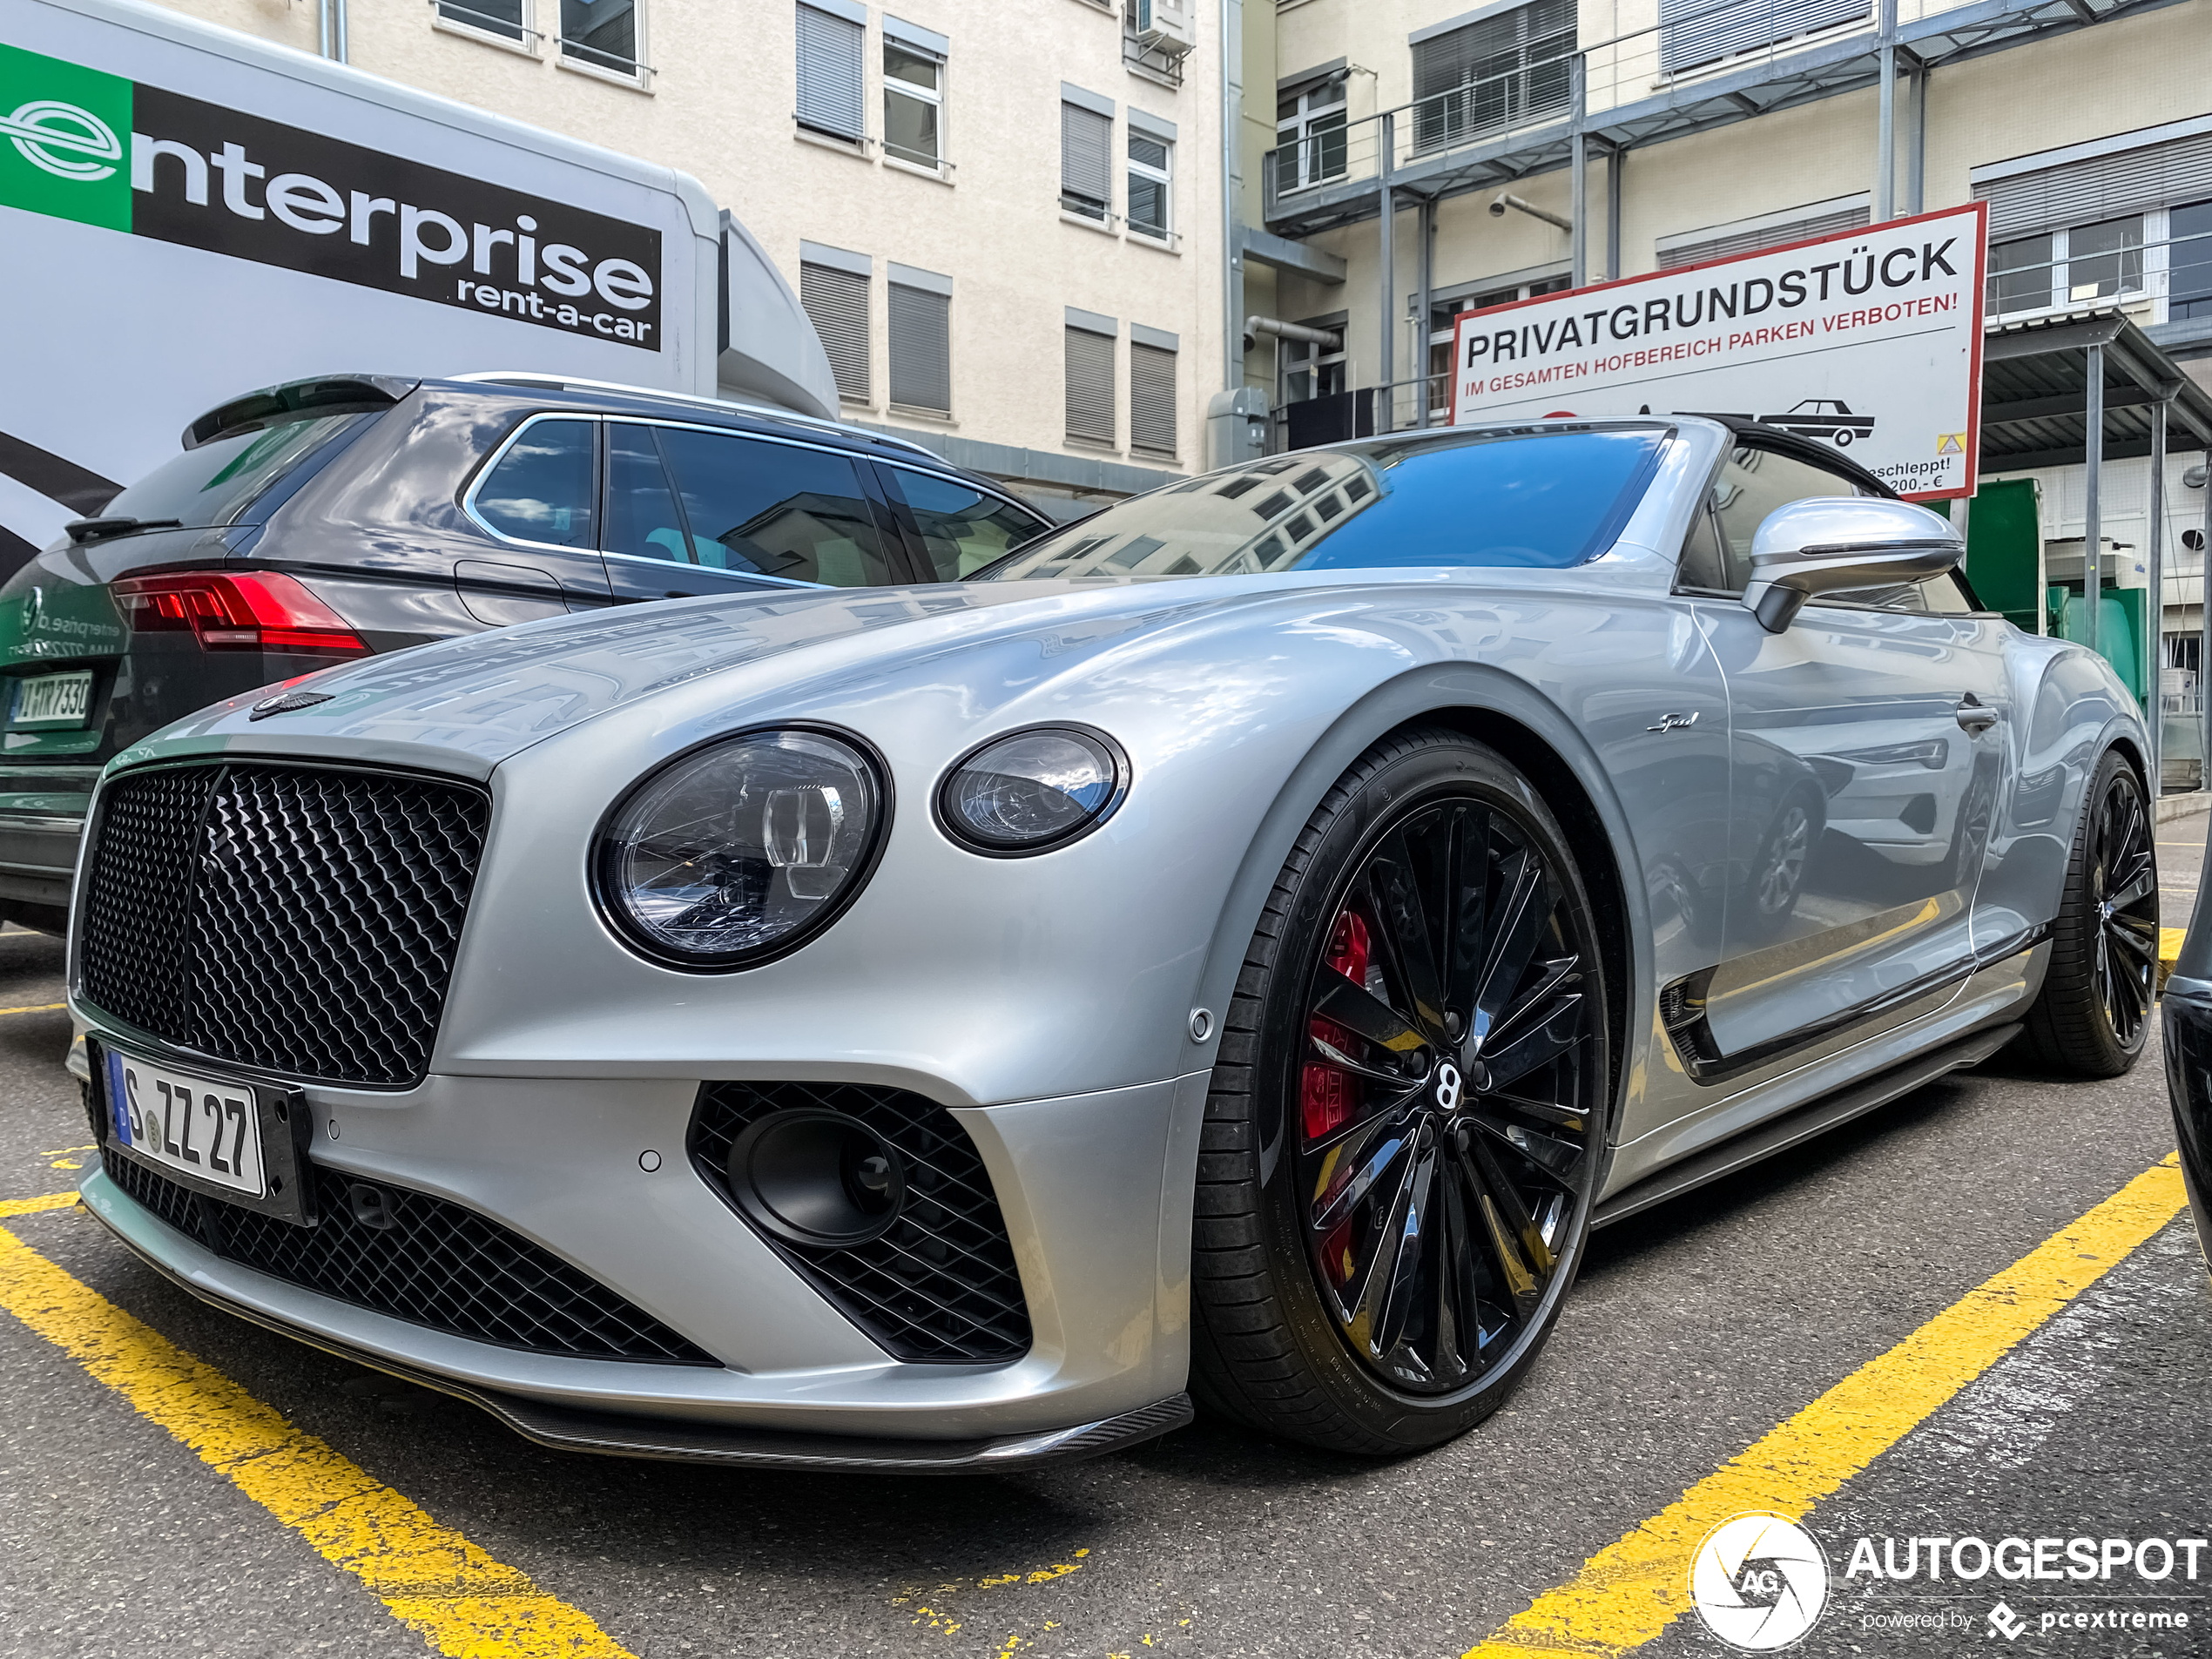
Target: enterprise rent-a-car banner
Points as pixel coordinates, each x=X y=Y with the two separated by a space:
x=96 y=148
x=1869 y=341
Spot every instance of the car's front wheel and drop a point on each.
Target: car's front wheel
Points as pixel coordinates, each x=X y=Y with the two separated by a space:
x=1407 y=1124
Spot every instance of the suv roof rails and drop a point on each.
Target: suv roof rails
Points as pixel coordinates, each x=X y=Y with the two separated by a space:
x=298 y=401
x=569 y=382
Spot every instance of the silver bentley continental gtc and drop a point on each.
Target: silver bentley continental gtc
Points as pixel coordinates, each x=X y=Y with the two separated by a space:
x=1235 y=946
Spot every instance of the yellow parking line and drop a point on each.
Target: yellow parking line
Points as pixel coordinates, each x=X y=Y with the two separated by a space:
x=36 y=1007
x=458 y=1598
x=1633 y=1588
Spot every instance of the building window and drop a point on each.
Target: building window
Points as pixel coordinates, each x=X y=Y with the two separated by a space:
x=508 y=19
x=1443 y=322
x=1089 y=353
x=835 y=297
x=1151 y=391
x=2076 y=266
x=913 y=94
x=1087 y=158
x=1151 y=181
x=1697 y=31
x=602 y=33
x=1685 y=248
x=922 y=340
x=830 y=47
x=1309 y=371
x=2189 y=263
x=1492 y=75
x=1309 y=147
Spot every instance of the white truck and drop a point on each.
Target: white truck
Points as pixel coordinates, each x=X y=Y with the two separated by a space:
x=187 y=212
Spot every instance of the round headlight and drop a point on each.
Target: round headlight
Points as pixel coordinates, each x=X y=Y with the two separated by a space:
x=1032 y=790
x=740 y=851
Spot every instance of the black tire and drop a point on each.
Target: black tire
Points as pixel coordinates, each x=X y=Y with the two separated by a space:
x=2094 y=1012
x=1352 y=1357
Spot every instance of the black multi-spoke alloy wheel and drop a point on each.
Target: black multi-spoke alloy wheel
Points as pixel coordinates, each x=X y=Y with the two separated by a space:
x=2094 y=1009
x=1407 y=1120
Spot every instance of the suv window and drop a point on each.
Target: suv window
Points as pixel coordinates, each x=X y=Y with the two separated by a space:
x=776 y=509
x=642 y=520
x=962 y=528
x=542 y=489
x=217 y=481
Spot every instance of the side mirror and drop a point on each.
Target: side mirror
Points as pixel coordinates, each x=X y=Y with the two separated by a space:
x=1831 y=544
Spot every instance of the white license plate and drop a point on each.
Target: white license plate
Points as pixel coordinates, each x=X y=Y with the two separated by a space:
x=52 y=699
x=197 y=1126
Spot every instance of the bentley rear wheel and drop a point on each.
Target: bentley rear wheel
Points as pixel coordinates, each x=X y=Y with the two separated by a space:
x=1406 y=1125
x=2094 y=1010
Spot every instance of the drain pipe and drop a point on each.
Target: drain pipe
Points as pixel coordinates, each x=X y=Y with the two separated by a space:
x=333 y=43
x=1499 y=203
x=1255 y=325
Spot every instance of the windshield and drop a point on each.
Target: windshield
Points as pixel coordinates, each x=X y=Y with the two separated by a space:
x=1546 y=497
x=217 y=481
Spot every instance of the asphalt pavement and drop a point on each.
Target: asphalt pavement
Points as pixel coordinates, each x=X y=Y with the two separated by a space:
x=1696 y=1328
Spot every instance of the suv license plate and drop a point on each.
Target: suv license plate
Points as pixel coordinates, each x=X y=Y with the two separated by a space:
x=200 y=1128
x=52 y=699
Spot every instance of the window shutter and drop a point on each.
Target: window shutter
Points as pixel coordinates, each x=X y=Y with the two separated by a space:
x=2132 y=181
x=837 y=302
x=1151 y=399
x=1090 y=386
x=1495 y=73
x=1724 y=247
x=922 y=348
x=1086 y=157
x=1697 y=31
x=829 y=73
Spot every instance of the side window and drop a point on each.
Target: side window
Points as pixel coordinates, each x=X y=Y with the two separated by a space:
x=1702 y=565
x=541 y=489
x=641 y=507
x=1753 y=483
x=963 y=529
x=775 y=508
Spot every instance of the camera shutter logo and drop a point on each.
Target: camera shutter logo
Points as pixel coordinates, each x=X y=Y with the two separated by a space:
x=63 y=139
x=1759 y=1582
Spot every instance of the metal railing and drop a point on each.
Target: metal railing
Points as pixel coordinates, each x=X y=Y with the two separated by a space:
x=2140 y=273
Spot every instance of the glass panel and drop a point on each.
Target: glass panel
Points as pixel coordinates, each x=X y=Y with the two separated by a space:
x=901 y=64
x=601 y=32
x=217 y=481
x=2020 y=275
x=776 y=508
x=501 y=17
x=2189 y=263
x=1549 y=500
x=1148 y=205
x=640 y=512
x=2106 y=260
x=1703 y=565
x=963 y=529
x=910 y=128
x=542 y=489
x=1752 y=484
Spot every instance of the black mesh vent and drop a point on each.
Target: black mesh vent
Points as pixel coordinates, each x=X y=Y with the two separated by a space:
x=940 y=1285
x=302 y=919
x=437 y=1264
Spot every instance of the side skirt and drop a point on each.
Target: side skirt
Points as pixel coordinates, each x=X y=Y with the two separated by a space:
x=1780 y=1134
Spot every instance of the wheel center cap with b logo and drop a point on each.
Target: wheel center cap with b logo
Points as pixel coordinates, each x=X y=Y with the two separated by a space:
x=1448 y=1086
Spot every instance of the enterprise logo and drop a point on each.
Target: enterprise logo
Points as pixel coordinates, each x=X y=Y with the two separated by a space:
x=125 y=156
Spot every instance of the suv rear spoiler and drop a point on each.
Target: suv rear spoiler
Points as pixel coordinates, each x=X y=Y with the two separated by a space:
x=298 y=401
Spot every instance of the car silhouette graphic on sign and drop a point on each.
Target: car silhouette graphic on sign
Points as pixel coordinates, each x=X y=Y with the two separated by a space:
x=1823 y=417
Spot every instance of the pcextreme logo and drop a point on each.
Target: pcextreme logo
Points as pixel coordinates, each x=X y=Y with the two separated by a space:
x=97 y=149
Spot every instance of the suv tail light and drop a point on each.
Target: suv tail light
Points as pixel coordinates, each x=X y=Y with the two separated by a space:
x=242 y=611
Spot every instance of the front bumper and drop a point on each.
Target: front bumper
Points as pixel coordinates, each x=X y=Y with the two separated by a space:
x=1095 y=1192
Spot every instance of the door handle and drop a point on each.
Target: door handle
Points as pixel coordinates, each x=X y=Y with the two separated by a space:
x=1973 y=718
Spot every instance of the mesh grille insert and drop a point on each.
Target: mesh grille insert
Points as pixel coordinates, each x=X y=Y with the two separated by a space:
x=940 y=1285
x=438 y=1264
x=302 y=919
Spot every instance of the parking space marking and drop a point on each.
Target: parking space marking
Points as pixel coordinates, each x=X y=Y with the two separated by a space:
x=459 y=1600
x=36 y=1007
x=1631 y=1590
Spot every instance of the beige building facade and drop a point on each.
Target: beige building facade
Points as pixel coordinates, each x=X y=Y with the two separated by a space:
x=1006 y=222
x=1706 y=127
